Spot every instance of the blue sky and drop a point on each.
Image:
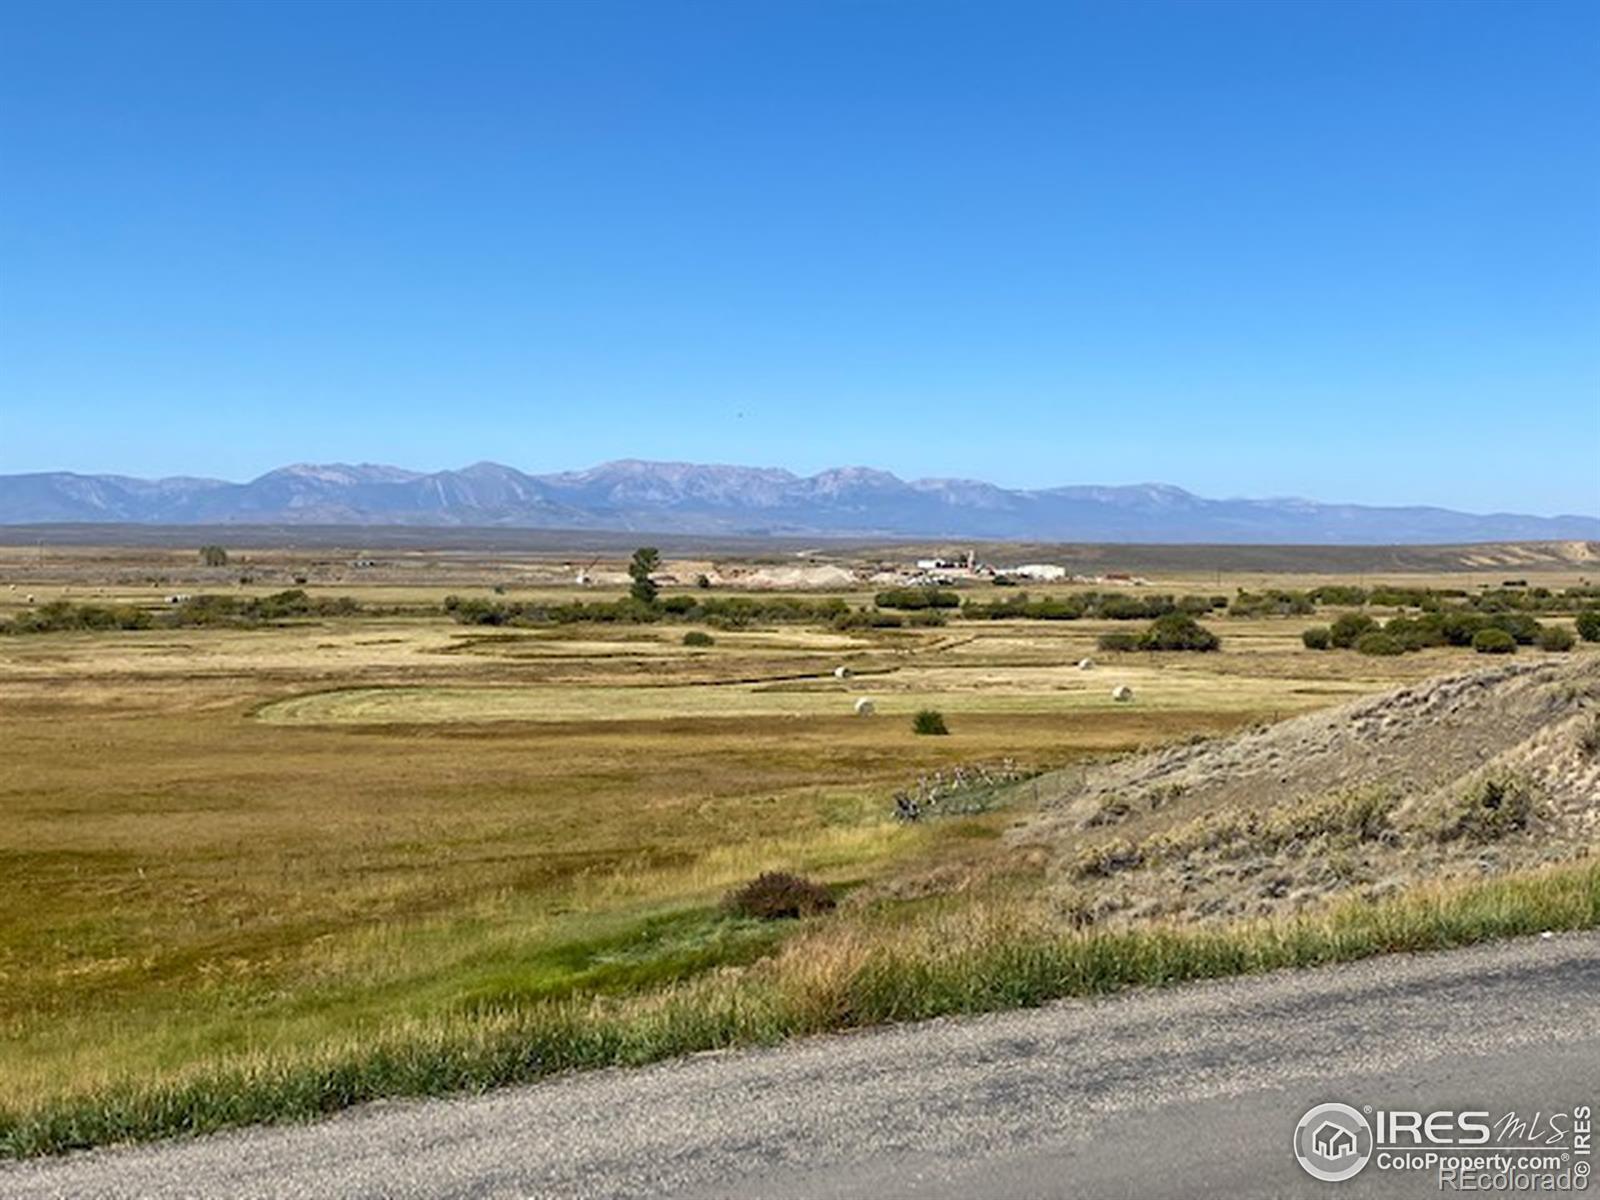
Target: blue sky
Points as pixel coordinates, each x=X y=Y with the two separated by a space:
x=1347 y=251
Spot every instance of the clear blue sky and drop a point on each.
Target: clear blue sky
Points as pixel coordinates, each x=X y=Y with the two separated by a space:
x=1347 y=250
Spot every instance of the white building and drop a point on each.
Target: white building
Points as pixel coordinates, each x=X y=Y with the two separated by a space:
x=1044 y=572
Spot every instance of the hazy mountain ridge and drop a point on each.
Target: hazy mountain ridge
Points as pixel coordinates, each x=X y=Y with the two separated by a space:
x=691 y=498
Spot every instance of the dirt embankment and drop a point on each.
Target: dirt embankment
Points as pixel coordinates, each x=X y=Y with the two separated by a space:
x=1469 y=774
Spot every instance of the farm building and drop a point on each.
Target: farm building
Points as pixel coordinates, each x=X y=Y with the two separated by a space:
x=1044 y=572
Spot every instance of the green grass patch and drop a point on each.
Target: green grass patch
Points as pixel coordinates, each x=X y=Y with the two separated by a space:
x=890 y=965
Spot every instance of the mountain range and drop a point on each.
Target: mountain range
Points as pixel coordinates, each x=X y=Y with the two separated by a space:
x=632 y=495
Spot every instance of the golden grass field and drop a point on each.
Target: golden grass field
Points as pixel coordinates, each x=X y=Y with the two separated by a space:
x=221 y=841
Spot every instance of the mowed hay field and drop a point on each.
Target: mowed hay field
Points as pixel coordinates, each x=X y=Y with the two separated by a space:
x=222 y=842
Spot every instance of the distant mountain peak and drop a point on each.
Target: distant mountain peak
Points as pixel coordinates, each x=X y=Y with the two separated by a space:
x=343 y=473
x=691 y=498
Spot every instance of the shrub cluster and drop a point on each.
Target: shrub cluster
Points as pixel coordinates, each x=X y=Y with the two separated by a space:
x=1274 y=602
x=1489 y=600
x=61 y=615
x=731 y=612
x=1589 y=624
x=876 y=618
x=917 y=598
x=1489 y=633
x=1175 y=631
x=260 y=610
x=929 y=721
x=1106 y=606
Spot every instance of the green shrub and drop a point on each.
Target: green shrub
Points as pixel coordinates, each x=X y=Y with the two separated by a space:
x=1589 y=624
x=1494 y=641
x=777 y=896
x=929 y=721
x=868 y=618
x=1379 y=643
x=917 y=597
x=1520 y=626
x=1178 y=631
x=1318 y=637
x=1118 y=641
x=1556 y=638
x=696 y=637
x=1415 y=633
x=62 y=615
x=1347 y=629
x=1459 y=628
x=1274 y=602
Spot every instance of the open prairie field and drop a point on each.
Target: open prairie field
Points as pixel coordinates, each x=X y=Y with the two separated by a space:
x=225 y=844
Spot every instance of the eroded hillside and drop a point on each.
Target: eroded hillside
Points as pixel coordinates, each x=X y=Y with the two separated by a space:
x=1464 y=775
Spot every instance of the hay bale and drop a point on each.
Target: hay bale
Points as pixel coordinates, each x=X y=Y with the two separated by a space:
x=1086 y=664
x=1122 y=693
x=841 y=672
x=865 y=707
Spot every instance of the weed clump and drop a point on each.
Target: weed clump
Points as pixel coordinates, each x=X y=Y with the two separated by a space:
x=777 y=896
x=1488 y=810
x=1589 y=739
x=1556 y=639
x=929 y=721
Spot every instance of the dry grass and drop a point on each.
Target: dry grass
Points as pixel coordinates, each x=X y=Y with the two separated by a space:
x=894 y=966
x=269 y=845
x=186 y=879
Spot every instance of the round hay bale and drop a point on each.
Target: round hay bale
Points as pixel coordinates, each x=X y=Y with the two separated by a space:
x=865 y=707
x=1122 y=693
x=1086 y=664
x=841 y=672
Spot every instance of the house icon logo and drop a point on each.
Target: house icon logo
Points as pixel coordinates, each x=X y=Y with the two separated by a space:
x=1333 y=1142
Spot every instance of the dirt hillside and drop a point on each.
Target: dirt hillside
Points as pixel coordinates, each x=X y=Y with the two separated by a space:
x=1468 y=774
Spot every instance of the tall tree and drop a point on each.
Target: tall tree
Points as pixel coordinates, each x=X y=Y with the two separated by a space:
x=645 y=560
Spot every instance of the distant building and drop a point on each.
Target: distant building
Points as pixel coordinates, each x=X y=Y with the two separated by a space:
x=1044 y=572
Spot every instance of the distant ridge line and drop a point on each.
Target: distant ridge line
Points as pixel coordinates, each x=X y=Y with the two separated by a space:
x=730 y=501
